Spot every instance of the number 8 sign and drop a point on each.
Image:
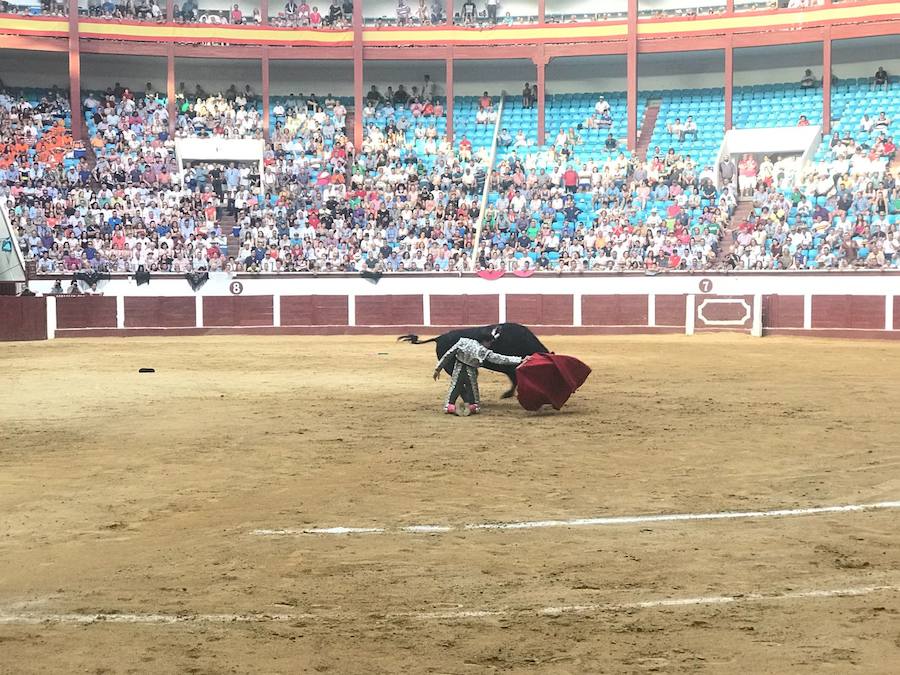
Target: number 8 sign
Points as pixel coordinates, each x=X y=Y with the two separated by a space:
x=236 y=287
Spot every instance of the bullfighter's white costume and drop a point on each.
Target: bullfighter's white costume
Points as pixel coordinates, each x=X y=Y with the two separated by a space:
x=467 y=355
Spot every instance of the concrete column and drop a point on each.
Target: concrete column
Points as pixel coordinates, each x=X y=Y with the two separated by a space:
x=757 y=319
x=826 y=82
x=357 y=75
x=889 y=312
x=75 y=71
x=690 y=313
x=541 y=62
x=448 y=88
x=264 y=63
x=51 y=316
x=729 y=86
x=631 y=64
x=170 y=89
x=120 y=311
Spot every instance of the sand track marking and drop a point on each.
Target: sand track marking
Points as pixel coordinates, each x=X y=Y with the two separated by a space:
x=81 y=618
x=604 y=521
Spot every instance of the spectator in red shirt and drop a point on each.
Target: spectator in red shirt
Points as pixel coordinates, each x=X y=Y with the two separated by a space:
x=570 y=179
x=803 y=122
x=465 y=148
x=236 y=15
x=747 y=168
x=485 y=101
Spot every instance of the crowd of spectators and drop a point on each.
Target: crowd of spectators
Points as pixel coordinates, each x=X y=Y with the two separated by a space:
x=408 y=12
x=839 y=213
x=34 y=139
x=229 y=114
x=615 y=214
x=407 y=199
x=139 y=10
x=337 y=15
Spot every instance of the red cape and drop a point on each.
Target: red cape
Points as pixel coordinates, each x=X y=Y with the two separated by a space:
x=549 y=379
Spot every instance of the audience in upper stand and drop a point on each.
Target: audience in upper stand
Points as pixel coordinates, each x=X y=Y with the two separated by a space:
x=140 y=10
x=528 y=96
x=808 y=81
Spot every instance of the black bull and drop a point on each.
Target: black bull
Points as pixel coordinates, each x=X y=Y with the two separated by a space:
x=511 y=339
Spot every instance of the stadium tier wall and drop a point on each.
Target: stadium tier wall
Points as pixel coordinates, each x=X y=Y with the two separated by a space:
x=601 y=73
x=838 y=305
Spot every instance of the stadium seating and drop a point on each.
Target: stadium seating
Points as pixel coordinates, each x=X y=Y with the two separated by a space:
x=706 y=106
x=776 y=105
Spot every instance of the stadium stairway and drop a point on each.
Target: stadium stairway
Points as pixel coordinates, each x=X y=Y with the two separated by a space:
x=744 y=207
x=233 y=243
x=645 y=134
x=349 y=120
x=89 y=154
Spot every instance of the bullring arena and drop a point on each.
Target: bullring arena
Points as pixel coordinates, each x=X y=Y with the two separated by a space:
x=183 y=521
x=216 y=219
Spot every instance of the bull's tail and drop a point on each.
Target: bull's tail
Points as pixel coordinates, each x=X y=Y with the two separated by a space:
x=414 y=339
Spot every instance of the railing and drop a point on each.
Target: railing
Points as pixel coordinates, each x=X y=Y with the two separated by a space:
x=487 y=184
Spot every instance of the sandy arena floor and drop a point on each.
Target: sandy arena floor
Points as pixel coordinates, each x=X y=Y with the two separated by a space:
x=139 y=498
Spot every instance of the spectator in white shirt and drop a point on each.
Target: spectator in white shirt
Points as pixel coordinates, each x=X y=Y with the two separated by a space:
x=882 y=123
x=403 y=12
x=866 y=124
x=690 y=127
x=492 y=7
x=676 y=129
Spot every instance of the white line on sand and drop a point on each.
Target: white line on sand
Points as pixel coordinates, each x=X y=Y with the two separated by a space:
x=33 y=618
x=584 y=522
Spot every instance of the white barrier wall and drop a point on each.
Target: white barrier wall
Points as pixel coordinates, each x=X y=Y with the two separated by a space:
x=835 y=305
x=784 y=283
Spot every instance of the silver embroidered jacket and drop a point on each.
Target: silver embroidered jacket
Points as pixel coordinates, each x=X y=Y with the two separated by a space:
x=473 y=353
